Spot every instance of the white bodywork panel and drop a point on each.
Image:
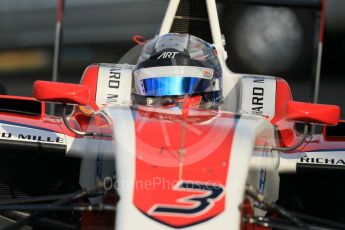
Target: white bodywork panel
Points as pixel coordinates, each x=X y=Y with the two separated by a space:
x=230 y=90
x=249 y=130
x=288 y=162
x=97 y=156
x=12 y=132
x=258 y=94
x=114 y=84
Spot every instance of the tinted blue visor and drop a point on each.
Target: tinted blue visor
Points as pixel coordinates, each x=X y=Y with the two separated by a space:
x=170 y=86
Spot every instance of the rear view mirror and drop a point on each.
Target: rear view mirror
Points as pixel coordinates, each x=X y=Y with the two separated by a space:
x=312 y=113
x=62 y=92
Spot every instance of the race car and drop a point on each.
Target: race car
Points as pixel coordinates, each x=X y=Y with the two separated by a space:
x=176 y=141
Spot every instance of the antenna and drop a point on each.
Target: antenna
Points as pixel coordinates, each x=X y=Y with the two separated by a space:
x=57 y=47
x=319 y=58
x=319 y=52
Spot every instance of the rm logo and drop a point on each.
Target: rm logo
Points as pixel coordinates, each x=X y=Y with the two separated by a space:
x=167 y=55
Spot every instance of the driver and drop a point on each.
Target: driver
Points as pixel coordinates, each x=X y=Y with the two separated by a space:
x=174 y=65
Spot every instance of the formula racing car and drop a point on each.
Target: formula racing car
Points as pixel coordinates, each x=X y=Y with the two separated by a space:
x=174 y=141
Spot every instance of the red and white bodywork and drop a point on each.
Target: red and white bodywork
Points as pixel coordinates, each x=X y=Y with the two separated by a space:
x=206 y=186
x=184 y=169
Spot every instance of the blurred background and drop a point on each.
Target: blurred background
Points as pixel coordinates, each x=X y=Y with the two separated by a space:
x=271 y=37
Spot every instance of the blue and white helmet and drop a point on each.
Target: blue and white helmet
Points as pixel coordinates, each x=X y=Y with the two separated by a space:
x=173 y=65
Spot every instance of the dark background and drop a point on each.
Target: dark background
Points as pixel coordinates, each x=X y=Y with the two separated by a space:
x=271 y=40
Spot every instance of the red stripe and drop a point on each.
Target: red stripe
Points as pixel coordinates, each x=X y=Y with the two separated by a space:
x=60 y=10
x=322 y=19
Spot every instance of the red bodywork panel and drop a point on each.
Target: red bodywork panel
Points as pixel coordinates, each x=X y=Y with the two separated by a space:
x=90 y=78
x=287 y=134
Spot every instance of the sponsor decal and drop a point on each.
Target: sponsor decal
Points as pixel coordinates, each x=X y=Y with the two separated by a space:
x=262 y=180
x=167 y=55
x=99 y=167
x=262 y=173
x=31 y=138
x=321 y=160
x=114 y=84
x=190 y=205
x=208 y=73
x=258 y=95
x=262 y=183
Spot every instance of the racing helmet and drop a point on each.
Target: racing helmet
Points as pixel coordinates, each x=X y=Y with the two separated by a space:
x=174 y=65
